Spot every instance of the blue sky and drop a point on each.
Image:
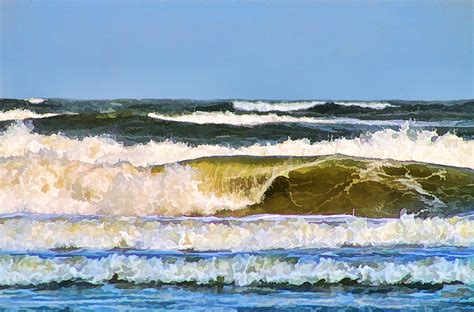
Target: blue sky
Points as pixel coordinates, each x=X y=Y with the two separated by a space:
x=237 y=49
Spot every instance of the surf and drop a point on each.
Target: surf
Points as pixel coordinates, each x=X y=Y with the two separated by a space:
x=235 y=186
x=240 y=270
x=419 y=145
x=20 y=114
x=21 y=233
x=265 y=106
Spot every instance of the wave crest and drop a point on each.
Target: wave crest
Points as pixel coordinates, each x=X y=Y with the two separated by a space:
x=234 y=234
x=421 y=146
x=242 y=270
x=230 y=118
x=20 y=114
x=262 y=106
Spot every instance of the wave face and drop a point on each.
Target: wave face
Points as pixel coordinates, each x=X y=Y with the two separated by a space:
x=231 y=234
x=20 y=114
x=418 y=145
x=237 y=270
x=234 y=186
x=262 y=106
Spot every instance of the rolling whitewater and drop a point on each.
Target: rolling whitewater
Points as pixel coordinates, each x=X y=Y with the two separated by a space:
x=356 y=203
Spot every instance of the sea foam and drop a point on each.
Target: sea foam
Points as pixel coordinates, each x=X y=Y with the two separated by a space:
x=262 y=106
x=231 y=234
x=230 y=118
x=240 y=270
x=418 y=145
x=20 y=114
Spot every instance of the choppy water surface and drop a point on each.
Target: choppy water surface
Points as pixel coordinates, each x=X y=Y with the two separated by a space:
x=201 y=205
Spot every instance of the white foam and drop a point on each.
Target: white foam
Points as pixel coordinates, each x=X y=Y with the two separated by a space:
x=241 y=270
x=230 y=118
x=405 y=145
x=27 y=233
x=262 y=106
x=36 y=100
x=373 y=105
x=43 y=183
x=20 y=114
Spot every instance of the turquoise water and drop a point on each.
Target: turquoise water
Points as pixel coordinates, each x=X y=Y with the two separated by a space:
x=215 y=294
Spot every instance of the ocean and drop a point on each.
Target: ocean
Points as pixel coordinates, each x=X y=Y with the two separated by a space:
x=236 y=205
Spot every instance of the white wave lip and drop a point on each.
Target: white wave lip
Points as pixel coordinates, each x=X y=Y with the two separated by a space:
x=23 y=234
x=261 y=106
x=46 y=184
x=230 y=118
x=36 y=100
x=20 y=114
x=241 y=270
x=418 y=145
x=373 y=105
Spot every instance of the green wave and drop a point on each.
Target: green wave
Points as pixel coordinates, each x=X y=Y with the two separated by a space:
x=336 y=185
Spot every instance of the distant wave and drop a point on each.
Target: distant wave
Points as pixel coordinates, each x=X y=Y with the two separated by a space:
x=231 y=118
x=418 y=145
x=20 y=114
x=262 y=106
x=373 y=105
x=240 y=270
x=220 y=234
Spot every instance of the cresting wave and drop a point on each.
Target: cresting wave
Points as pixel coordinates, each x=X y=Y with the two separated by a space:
x=236 y=186
x=46 y=184
x=230 y=118
x=231 y=234
x=373 y=105
x=20 y=114
x=241 y=270
x=262 y=106
x=418 y=145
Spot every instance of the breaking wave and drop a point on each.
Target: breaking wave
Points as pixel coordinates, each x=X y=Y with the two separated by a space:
x=373 y=105
x=262 y=106
x=20 y=114
x=236 y=186
x=241 y=270
x=230 y=118
x=418 y=145
x=231 y=234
